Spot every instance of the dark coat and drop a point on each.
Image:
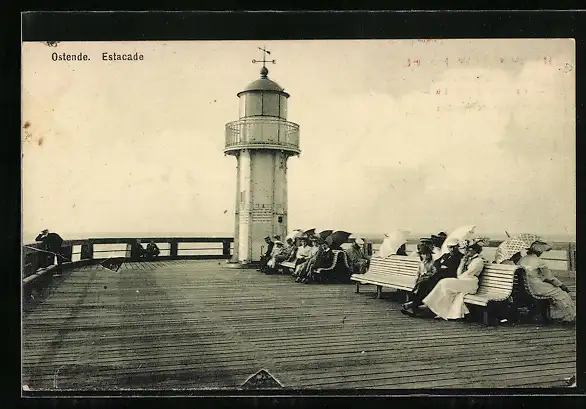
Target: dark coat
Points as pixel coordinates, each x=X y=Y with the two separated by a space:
x=52 y=242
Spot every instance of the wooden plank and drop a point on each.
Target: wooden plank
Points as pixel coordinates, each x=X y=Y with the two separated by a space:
x=204 y=325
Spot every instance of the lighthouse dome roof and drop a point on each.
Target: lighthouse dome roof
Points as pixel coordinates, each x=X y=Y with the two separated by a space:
x=263 y=84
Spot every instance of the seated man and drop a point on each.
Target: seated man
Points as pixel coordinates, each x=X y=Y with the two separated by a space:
x=438 y=241
x=152 y=250
x=267 y=256
x=357 y=259
x=432 y=273
x=447 y=264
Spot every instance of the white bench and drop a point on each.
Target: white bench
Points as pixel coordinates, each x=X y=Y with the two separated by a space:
x=400 y=272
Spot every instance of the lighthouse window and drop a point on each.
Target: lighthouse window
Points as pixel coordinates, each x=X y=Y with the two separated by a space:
x=283 y=107
x=270 y=104
x=253 y=103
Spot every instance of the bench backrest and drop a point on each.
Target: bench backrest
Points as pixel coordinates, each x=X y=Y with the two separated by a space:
x=496 y=280
x=339 y=260
x=394 y=269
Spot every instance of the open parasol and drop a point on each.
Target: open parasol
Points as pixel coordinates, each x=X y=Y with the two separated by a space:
x=527 y=238
x=324 y=233
x=337 y=238
x=391 y=243
x=457 y=235
x=508 y=249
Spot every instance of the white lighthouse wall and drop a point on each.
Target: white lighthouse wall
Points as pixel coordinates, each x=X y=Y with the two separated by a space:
x=244 y=205
x=266 y=188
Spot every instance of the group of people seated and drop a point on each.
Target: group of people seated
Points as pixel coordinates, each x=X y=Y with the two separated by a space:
x=444 y=278
x=138 y=252
x=309 y=252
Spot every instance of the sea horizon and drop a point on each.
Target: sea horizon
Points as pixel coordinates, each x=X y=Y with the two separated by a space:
x=29 y=237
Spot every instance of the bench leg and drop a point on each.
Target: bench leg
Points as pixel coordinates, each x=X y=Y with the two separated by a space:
x=545 y=311
x=379 y=291
x=486 y=318
x=357 y=287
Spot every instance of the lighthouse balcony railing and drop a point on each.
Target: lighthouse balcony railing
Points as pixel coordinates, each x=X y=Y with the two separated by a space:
x=262 y=132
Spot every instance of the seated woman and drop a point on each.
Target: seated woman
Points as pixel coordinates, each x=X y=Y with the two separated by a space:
x=303 y=251
x=543 y=283
x=423 y=285
x=323 y=257
x=446 y=299
x=357 y=258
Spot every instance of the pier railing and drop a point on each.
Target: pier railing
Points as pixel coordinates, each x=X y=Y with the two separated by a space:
x=95 y=249
x=88 y=250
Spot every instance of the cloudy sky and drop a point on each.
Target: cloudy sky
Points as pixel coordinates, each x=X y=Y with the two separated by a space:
x=423 y=136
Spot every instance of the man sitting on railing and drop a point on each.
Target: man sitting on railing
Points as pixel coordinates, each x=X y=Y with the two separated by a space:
x=137 y=251
x=52 y=243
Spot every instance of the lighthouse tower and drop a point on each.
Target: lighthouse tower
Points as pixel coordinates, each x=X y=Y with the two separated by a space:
x=261 y=140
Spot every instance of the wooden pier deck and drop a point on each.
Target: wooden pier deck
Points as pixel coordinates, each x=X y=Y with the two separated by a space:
x=200 y=324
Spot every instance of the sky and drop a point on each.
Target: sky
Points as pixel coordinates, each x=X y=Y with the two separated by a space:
x=416 y=135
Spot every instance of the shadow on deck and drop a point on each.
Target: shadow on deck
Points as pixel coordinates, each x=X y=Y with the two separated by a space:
x=199 y=324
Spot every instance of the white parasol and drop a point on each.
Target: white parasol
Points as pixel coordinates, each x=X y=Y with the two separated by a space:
x=457 y=235
x=391 y=243
x=508 y=249
x=294 y=234
x=527 y=238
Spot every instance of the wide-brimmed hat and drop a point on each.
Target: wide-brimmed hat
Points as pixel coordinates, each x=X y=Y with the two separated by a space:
x=451 y=242
x=359 y=241
x=278 y=242
x=539 y=246
x=439 y=238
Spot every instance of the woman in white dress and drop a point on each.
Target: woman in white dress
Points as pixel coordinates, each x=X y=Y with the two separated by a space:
x=543 y=283
x=446 y=299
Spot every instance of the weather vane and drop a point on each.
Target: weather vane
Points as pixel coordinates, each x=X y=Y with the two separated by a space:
x=264 y=60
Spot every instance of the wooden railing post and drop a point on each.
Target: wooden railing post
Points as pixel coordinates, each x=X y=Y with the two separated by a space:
x=67 y=253
x=174 y=249
x=226 y=248
x=571 y=257
x=87 y=251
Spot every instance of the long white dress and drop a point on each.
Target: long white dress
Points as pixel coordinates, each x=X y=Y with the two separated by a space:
x=447 y=297
x=562 y=306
